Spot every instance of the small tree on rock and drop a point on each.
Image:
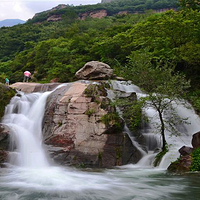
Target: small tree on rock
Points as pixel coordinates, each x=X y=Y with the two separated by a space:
x=161 y=83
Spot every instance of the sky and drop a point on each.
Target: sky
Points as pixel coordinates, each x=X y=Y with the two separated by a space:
x=26 y=9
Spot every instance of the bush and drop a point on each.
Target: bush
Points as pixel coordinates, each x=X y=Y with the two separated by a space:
x=195 y=160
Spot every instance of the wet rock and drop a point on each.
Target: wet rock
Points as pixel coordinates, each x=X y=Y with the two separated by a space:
x=185 y=150
x=181 y=165
x=4 y=143
x=196 y=140
x=4 y=137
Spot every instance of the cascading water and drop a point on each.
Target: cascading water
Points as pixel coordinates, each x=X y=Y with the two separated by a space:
x=30 y=176
x=24 y=117
x=149 y=131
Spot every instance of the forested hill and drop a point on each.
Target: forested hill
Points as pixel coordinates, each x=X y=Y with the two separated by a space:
x=112 y=8
x=54 y=51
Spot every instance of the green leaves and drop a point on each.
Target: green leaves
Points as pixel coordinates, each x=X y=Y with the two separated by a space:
x=195 y=166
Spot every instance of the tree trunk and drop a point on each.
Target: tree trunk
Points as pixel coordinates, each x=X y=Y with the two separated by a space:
x=162 y=131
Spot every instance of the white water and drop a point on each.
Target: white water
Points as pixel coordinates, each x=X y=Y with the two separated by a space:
x=153 y=138
x=29 y=175
x=24 y=116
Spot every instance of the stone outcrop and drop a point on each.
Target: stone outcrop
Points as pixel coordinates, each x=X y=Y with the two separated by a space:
x=75 y=133
x=54 y=18
x=95 y=70
x=34 y=87
x=94 y=14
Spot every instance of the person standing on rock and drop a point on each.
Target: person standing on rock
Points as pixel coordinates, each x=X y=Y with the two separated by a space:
x=27 y=75
x=7 y=81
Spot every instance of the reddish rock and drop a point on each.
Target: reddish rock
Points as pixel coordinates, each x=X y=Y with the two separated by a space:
x=181 y=165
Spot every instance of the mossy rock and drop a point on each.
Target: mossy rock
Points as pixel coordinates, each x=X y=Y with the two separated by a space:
x=6 y=93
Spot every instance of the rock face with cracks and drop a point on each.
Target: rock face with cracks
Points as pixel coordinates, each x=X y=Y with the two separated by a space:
x=75 y=133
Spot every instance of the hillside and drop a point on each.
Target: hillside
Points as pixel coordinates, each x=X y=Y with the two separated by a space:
x=54 y=51
x=109 y=9
x=10 y=22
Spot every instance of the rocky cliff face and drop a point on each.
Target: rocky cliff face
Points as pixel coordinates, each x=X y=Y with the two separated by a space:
x=94 y=14
x=75 y=130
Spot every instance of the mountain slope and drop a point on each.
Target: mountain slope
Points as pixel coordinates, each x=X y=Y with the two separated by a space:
x=11 y=22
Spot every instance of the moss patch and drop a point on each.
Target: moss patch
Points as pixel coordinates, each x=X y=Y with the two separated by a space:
x=159 y=156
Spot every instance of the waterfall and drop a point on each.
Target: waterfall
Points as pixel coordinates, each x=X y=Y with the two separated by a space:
x=30 y=176
x=24 y=116
x=149 y=131
x=25 y=112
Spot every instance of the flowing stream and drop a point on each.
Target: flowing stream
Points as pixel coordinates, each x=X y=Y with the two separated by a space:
x=31 y=176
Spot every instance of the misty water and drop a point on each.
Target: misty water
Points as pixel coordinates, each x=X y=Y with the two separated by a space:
x=30 y=174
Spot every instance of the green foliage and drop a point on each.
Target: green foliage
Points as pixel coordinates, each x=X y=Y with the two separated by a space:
x=159 y=156
x=90 y=112
x=6 y=94
x=59 y=49
x=132 y=111
x=195 y=166
x=111 y=119
x=190 y=4
x=162 y=84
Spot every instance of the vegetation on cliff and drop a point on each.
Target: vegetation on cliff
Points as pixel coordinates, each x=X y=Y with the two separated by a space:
x=6 y=94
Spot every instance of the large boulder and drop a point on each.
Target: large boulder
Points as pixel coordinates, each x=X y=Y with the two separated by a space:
x=181 y=165
x=94 y=70
x=78 y=131
x=196 y=140
x=185 y=150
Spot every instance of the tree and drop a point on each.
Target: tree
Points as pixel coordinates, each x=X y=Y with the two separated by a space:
x=194 y=4
x=161 y=83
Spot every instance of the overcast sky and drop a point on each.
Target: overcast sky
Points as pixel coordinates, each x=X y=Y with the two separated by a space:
x=25 y=9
